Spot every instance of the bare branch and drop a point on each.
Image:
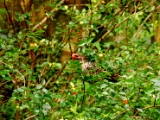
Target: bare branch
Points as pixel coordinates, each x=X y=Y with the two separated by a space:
x=31 y=117
x=45 y=18
x=9 y=16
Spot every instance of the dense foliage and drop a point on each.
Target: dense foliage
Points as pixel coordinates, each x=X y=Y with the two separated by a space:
x=116 y=35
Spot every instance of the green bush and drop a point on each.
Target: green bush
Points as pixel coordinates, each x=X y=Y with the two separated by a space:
x=113 y=36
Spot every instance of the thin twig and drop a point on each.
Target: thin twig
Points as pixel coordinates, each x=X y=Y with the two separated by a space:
x=49 y=80
x=76 y=5
x=109 y=31
x=9 y=16
x=15 y=71
x=69 y=79
x=31 y=117
x=59 y=72
x=84 y=91
x=146 y=108
x=4 y=83
x=118 y=116
x=115 y=25
x=155 y=100
x=135 y=36
x=69 y=36
x=140 y=27
x=45 y=18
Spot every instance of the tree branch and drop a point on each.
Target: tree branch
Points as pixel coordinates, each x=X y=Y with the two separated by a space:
x=45 y=18
x=9 y=16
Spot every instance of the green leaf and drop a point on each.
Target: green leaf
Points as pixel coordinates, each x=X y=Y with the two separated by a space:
x=74 y=109
x=45 y=91
x=39 y=86
x=8 y=78
x=103 y=86
x=21 y=89
x=97 y=45
x=4 y=72
x=156 y=82
x=86 y=41
x=46 y=106
x=108 y=44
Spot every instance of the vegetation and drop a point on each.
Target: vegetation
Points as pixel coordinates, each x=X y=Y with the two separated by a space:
x=38 y=80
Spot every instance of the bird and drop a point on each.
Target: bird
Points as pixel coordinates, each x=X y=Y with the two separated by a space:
x=85 y=64
x=92 y=68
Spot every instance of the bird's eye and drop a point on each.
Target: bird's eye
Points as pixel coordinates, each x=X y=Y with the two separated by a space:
x=76 y=55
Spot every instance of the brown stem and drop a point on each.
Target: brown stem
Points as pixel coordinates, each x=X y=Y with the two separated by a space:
x=84 y=91
x=115 y=25
x=46 y=18
x=140 y=27
x=155 y=99
x=69 y=79
x=9 y=16
x=146 y=108
x=29 y=118
x=134 y=110
x=59 y=72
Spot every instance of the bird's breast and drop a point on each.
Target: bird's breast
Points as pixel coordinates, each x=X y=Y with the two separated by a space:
x=87 y=66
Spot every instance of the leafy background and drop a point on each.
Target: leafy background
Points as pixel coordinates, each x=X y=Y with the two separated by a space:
x=38 y=80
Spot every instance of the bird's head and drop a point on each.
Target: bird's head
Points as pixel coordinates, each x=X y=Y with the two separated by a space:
x=76 y=56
